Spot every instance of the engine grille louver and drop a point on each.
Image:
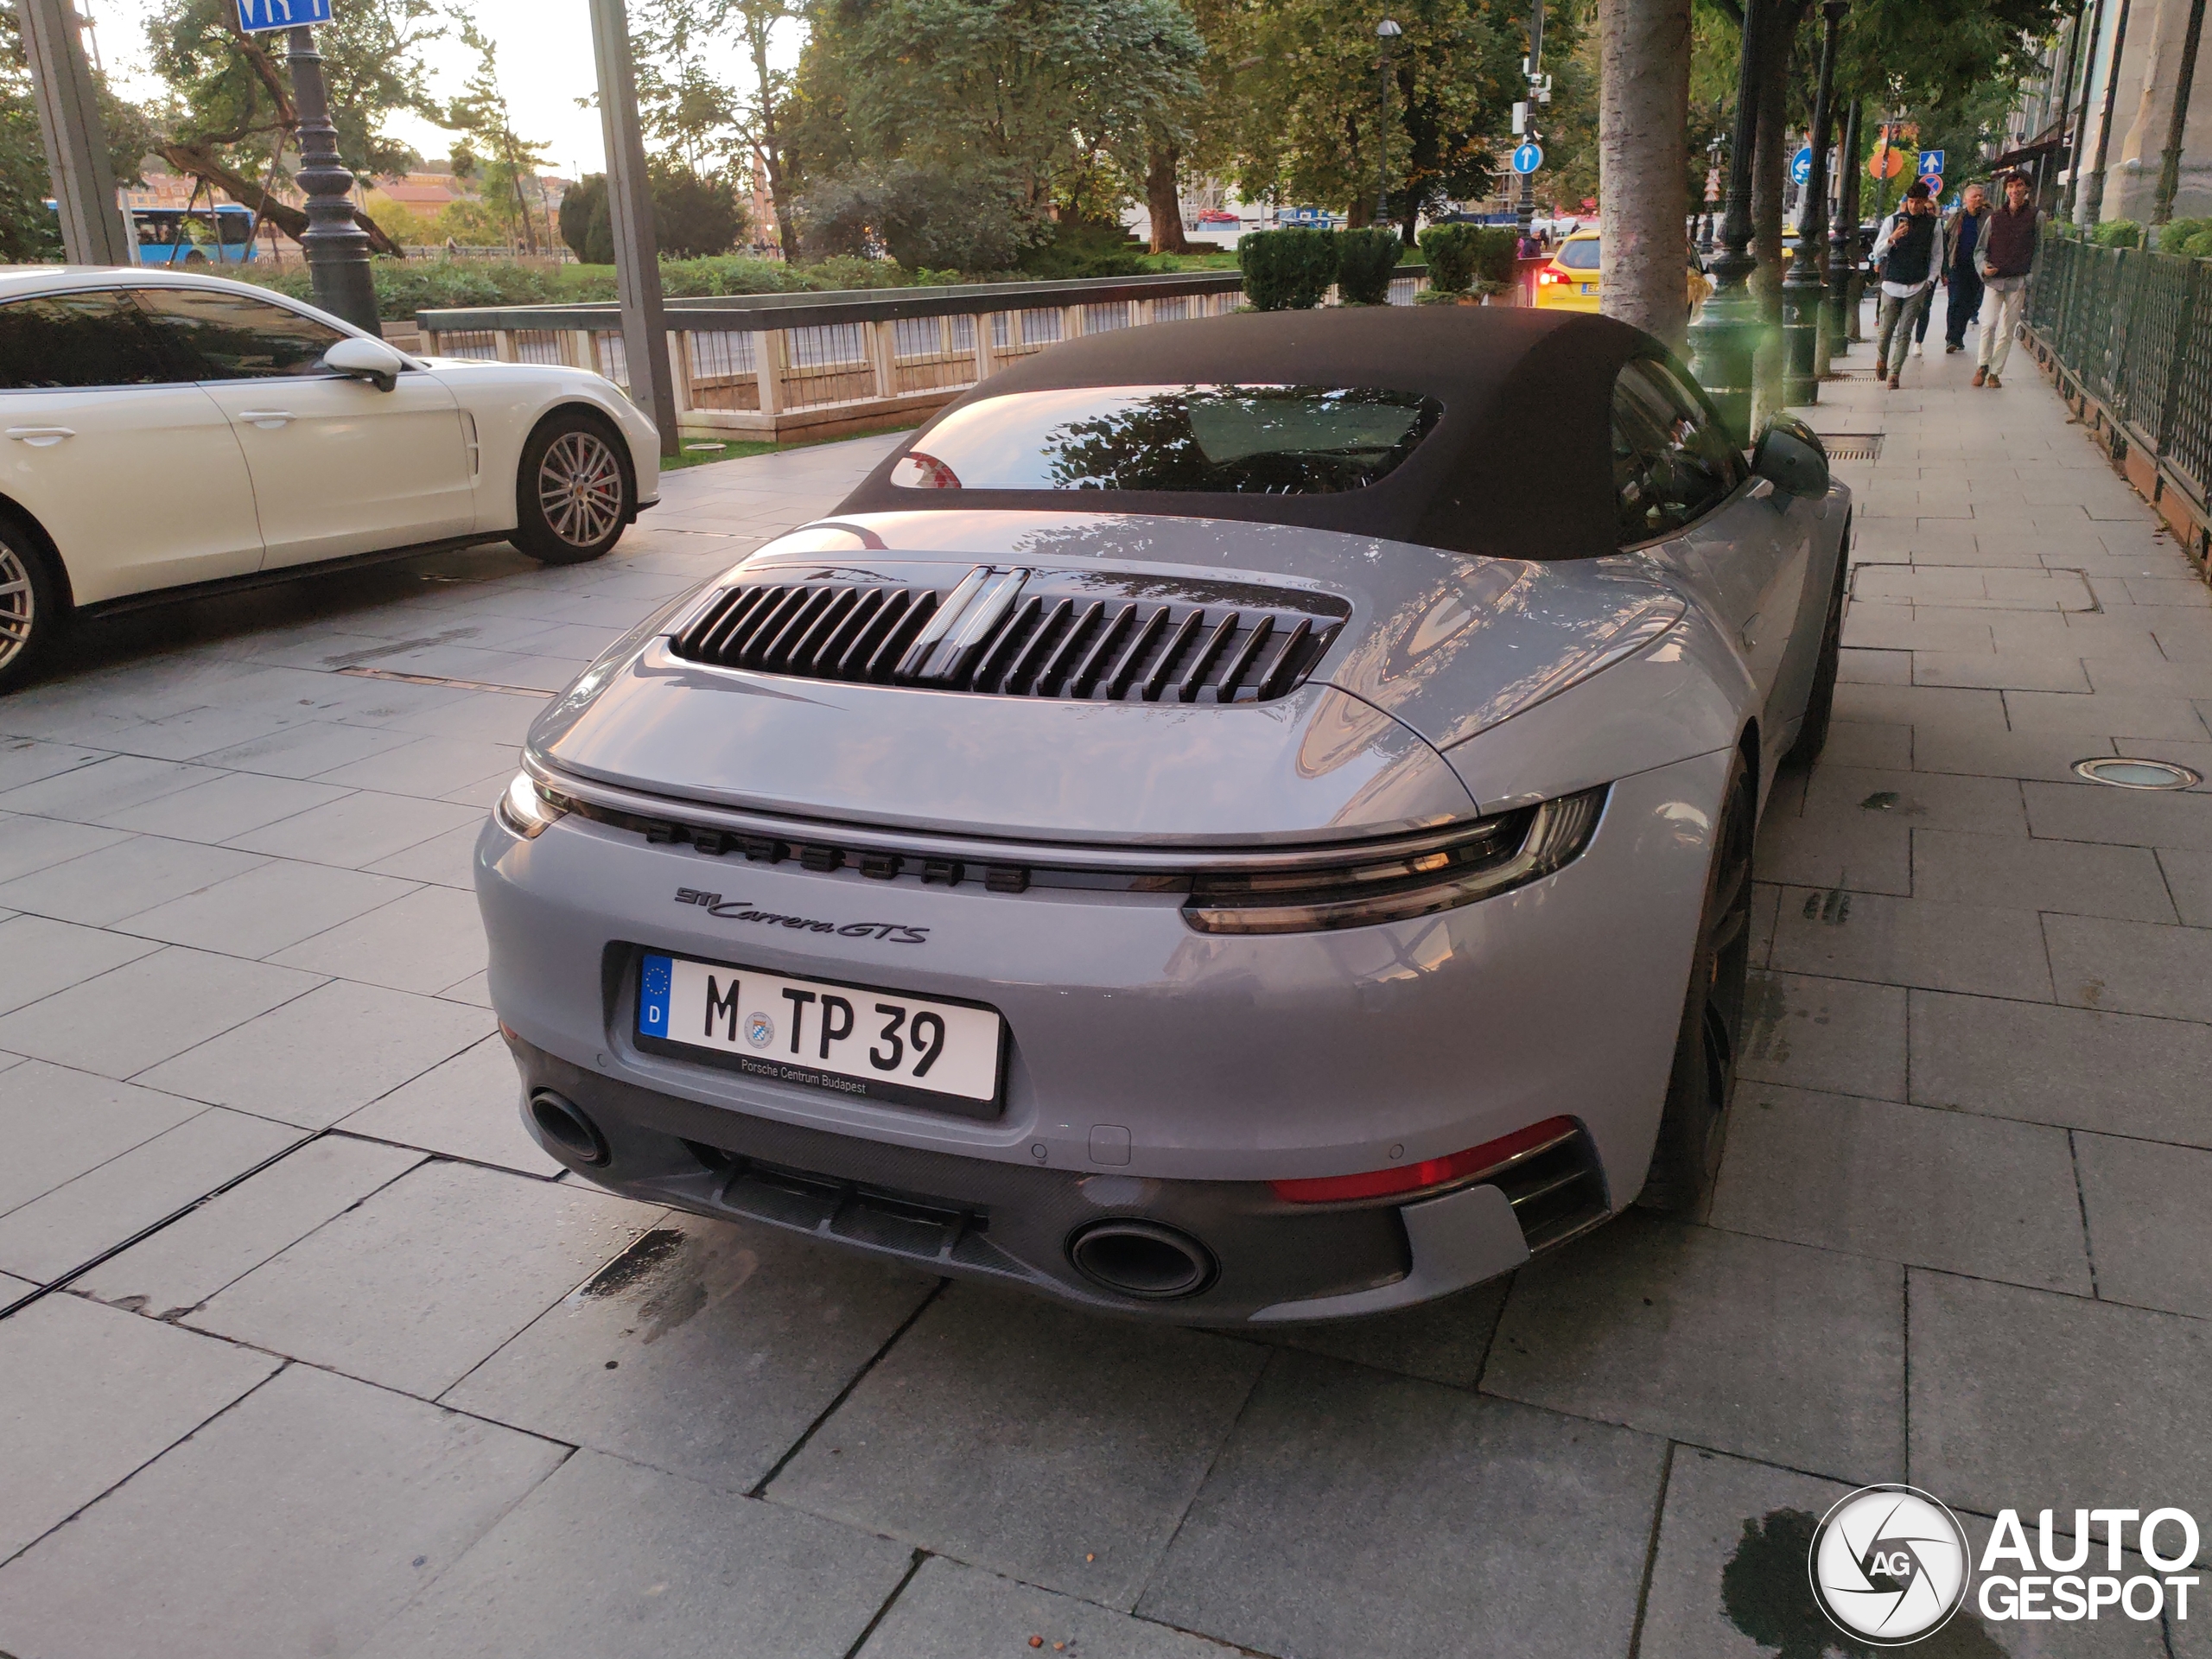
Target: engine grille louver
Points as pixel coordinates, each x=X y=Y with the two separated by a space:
x=1002 y=632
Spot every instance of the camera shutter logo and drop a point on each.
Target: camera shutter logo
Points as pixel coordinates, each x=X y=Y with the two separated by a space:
x=1889 y=1565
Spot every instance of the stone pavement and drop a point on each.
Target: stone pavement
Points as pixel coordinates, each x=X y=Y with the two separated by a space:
x=353 y=1371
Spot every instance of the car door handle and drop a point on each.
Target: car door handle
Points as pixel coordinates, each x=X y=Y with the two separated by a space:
x=40 y=437
x=268 y=419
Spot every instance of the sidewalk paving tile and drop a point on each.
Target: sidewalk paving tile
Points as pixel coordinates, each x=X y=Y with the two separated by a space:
x=228 y=804
x=2116 y=1073
x=139 y=1014
x=73 y=1222
x=39 y=956
x=1865 y=743
x=449 y=859
x=1743 y=1345
x=1909 y=1184
x=1857 y=851
x=2026 y=872
x=2000 y=670
x=89 y=1395
x=427 y=767
x=1029 y=1439
x=951 y=1611
x=104 y=886
x=416 y=1287
x=25 y=760
x=468 y=1106
x=275 y=904
x=1444 y=1341
x=357 y=831
x=683 y=1570
x=1357 y=1516
x=1812 y=1033
x=2127 y=817
x=315 y=1483
x=1920 y=800
x=58 y=1122
x=302 y=751
x=84 y=793
x=2026 y=1399
x=2102 y=714
x=30 y=844
x=188 y=1261
x=706 y=1350
x=1912 y=942
x=2189 y=878
x=2131 y=967
x=2044 y=756
x=424 y=941
x=2149 y=1227
x=322 y=1055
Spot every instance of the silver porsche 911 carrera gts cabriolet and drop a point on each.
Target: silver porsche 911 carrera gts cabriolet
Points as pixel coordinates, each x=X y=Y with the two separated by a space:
x=1244 y=819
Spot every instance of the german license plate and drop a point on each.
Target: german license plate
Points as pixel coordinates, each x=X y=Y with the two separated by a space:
x=850 y=1039
x=1589 y=288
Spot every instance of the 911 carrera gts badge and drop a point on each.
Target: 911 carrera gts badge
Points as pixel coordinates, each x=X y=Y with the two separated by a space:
x=738 y=910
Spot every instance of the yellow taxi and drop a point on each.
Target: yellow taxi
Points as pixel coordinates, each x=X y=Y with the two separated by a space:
x=1570 y=282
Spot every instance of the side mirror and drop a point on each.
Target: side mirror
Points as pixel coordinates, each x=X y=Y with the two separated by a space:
x=359 y=358
x=1791 y=456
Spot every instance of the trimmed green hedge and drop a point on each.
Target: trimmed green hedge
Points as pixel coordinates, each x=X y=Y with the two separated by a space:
x=1287 y=270
x=2117 y=233
x=1365 y=259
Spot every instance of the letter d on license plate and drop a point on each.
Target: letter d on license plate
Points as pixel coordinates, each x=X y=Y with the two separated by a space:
x=849 y=1039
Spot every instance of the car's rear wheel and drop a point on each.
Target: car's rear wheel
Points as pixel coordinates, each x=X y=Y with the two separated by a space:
x=1703 y=1080
x=31 y=608
x=1820 y=703
x=574 y=492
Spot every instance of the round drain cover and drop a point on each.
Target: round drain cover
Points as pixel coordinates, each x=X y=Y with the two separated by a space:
x=2125 y=773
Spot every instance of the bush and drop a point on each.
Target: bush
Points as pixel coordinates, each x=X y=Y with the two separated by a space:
x=1083 y=247
x=1449 y=251
x=1365 y=260
x=2176 y=232
x=2198 y=246
x=925 y=217
x=694 y=216
x=2117 y=233
x=1286 y=269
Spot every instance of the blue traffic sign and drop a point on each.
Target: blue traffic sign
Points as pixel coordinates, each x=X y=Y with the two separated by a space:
x=255 y=16
x=1801 y=165
x=1528 y=158
x=1931 y=163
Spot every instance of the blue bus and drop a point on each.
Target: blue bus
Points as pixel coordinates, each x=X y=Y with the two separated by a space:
x=221 y=235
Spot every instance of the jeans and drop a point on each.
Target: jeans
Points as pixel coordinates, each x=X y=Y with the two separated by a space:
x=2001 y=302
x=1893 y=322
x=1966 y=301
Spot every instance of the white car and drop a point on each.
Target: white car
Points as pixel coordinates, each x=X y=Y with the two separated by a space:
x=169 y=435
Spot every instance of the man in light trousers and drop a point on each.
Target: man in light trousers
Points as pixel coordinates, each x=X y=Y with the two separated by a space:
x=2006 y=255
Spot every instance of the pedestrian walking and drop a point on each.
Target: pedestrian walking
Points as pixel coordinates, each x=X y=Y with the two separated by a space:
x=2007 y=255
x=1909 y=253
x=1962 y=233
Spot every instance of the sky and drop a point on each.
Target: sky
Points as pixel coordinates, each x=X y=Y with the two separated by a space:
x=545 y=65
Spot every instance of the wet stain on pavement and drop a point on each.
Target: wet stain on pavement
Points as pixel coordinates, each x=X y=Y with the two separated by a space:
x=1764 y=1005
x=638 y=1262
x=1833 y=907
x=1766 y=1591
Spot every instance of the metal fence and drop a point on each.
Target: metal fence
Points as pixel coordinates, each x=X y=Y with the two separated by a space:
x=780 y=365
x=2132 y=330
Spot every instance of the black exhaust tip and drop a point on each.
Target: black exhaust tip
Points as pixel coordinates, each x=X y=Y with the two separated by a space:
x=563 y=1122
x=1141 y=1258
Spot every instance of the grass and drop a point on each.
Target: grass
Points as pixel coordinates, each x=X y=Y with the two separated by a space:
x=696 y=451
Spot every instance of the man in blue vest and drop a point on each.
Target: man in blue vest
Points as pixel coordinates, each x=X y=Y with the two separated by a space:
x=1911 y=252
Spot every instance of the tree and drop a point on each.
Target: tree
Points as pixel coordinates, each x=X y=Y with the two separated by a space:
x=694 y=215
x=489 y=146
x=29 y=230
x=232 y=96
x=1642 y=124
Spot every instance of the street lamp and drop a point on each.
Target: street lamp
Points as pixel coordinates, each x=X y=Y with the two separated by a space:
x=337 y=248
x=1801 y=289
x=1836 y=336
x=1387 y=31
x=1726 y=335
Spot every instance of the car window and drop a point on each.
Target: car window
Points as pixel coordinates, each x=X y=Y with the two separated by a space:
x=235 y=336
x=90 y=338
x=1671 y=460
x=1580 y=255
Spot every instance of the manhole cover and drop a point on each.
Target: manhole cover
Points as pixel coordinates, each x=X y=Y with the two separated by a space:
x=2123 y=773
x=1852 y=446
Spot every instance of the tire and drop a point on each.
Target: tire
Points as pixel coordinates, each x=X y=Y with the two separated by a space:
x=1819 y=701
x=32 y=609
x=575 y=493
x=1702 y=1081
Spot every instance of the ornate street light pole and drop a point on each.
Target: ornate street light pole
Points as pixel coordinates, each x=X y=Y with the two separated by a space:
x=1835 y=337
x=1804 y=297
x=1726 y=333
x=1854 y=287
x=1387 y=31
x=337 y=249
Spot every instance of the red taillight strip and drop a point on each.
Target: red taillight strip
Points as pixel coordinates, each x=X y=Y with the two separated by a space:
x=1429 y=1172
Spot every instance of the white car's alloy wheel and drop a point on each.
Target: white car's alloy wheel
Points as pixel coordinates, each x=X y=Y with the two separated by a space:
x=18 y=606
x=580 y=488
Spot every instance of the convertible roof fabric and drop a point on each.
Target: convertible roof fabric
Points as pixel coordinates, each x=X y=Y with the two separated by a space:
x=1519 y=466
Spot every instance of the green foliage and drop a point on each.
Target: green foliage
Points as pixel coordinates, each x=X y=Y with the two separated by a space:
x=1496 y=249
x=2117 y=233
x=2198 y=246
x=694 y=217
x=487 y=148
x=1286 y=269
x=1365 y=259
x=1451 y=253
x=923 y=216
x=1083 y=247
x=2176 y=232
x=29 y=231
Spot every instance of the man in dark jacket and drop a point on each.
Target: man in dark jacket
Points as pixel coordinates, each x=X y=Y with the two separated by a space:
x=1911 y=253
x=2006 y=255
x=1962 y=230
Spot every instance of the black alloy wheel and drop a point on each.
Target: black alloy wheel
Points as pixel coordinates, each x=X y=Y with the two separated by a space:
x=1710 y=1041
x=30 y=606
x=1819 y=701
x=574 y=492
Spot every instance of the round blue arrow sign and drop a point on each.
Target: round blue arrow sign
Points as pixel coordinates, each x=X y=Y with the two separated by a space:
x=1801 y=165
x=1528 y=158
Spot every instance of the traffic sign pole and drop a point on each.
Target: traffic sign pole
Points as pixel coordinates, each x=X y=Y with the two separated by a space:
x=337 y=248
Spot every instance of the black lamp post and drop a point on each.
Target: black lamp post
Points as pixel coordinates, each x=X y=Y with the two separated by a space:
x=1803 y=292
x=1726 y=333
x=1387 y=31
x=1835 y=337
x=1854 y=287
x=337 y=249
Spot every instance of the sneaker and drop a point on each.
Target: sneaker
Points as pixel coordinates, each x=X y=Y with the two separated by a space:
x=1949 y=348
x=1981 y=376
x=1994 y=383
x=1920 y=348
x=1882 y=369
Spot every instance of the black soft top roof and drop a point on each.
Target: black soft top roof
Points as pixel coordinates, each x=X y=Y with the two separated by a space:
x=1519 y=466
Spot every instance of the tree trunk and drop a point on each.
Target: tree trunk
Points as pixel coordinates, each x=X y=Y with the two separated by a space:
x=1643 y=120
x=195 y=163
x=1162 y=202
x=1770 y=163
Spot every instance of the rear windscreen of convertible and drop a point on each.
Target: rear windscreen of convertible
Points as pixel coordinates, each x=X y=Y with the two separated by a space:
x=1214 y=440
